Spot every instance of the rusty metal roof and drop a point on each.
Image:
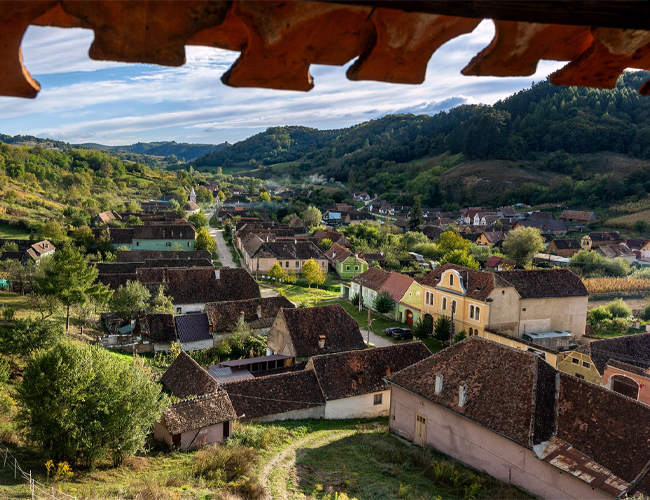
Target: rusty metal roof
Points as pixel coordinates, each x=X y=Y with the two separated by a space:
x=562 y=455
x=391 y=41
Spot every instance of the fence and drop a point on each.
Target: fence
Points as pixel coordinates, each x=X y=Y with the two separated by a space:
x=38 y=490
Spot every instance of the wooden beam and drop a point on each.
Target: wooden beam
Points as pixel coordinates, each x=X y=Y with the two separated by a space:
x=610 y=14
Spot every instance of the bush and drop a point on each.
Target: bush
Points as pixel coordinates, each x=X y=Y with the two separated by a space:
x=620 y=325
x=598 y=314
x=355 y=299
x=8 y=313
x=442 y=328
x=27 y=335
x=619 y=309
x=384 y=303
x=460 y=336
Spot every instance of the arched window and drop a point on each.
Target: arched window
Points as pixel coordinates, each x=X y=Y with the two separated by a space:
x=471 y=332
x=451 y=280
x=444 y=303
x=471 y=311
x=477 y=313
x=453 y=306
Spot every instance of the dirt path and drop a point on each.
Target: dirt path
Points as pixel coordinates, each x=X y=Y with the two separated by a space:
x=280 y=470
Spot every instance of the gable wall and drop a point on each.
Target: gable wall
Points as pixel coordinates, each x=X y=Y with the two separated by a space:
x=562 y=314
x=484 y=450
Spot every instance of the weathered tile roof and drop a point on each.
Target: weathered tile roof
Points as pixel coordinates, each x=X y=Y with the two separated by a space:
x=354 y=373
x=199 y=412
x=190 y=205
x=333 y=236
x=604 y=236
x=289 y=250
x=431 y=232
x=118 y=267
x=539 y=283
x=396 y=285
x=508 y=212
x=227 y=374
x=575 y=214
x=164 y=232
x=200 y=285
x=114 y=281
x=338 y=253
x=373 y=278
x=38 y=249
x=628 y=368
x=495 y=399
x=542 y=215
x=306 y=325
x=120 y=234
x=544 y=225
x=144 y=255
x=224 y=315
x=262 y=396
x=185 y=378
x=566 y=244
x=108 y=216
x=193 y=327
x=636 y=244
x=161 y=327
x=494 y=236
x=631 y=349
x=479 y=287
x=614 y=251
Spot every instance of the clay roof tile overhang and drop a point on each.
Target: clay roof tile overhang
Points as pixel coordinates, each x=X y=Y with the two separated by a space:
x=391 y=41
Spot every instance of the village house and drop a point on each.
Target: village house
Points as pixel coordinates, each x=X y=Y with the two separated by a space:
x=523 y=422
x=621 y=364
x=346 y=263
x=41 y=249
x=151 y=256
x=333 y=236
x=592 y=241
x=154 y=236
x=495 y=263
x=377 y=257
x=538 y=215
x=196 y=422
x=564 y=247
x=512 y=302
x=491 y=238
x=636 y=246
x=468 y=215
x=404 y=290
x=353 y=382
x=194 y=331
x=307 y=332
x=191 y=208
x=554 y=227
x=285 y=396
x=186 y=378
x=584 y=218
x=260 y=256
x=159 y=329
x=508 y=212
x=352 y=218
x=259 y=314
x=617 y=251
x=106 y=217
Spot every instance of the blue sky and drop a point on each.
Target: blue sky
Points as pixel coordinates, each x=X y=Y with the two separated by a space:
x=114 y=103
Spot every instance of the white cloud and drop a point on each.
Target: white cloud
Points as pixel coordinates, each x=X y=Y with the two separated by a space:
x=118 y=102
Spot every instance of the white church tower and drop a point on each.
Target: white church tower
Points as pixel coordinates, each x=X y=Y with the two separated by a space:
x=193 y=196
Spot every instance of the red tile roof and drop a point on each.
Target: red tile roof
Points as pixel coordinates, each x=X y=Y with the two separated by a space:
x=225 y=315
x=481 y=283
x=540 y=283
x=185 y=378
x=199 y=412
x=396 y=285
x=373 y=278
x=354 y=373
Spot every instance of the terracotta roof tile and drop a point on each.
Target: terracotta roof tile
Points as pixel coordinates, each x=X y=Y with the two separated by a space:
x=630 y=349
x=305 y=325
x=540 y=283
x=566 y=244
x=224 y=315
x=481 y=283
x=185 y=378
x=161 y=327
x=396 y=285
x=373 y=278
x=575 y=214
x=146 y=255
x=354 y=373
x=199 y=412
x=263 y=396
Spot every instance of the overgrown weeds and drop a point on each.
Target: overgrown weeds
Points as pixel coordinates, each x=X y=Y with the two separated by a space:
x=230 y=468
x=262 y=436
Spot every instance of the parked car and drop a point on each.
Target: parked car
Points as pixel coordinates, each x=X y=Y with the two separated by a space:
x=391 y=330
x=403 y=334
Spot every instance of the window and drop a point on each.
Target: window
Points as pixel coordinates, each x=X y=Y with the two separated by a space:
x=347 y=268
x=169 y=243
x=378 y=398
x=471 y=312
x=575 y=361
x=297 y=264
x=356 y=268
x=451 y=280
x=444 y=303
x=477 y=313
x=580 y=376
x=453 y=306
x=137 y=243
x=410 y=294
x=586 y=365
x=287 y=264
x=189 y=244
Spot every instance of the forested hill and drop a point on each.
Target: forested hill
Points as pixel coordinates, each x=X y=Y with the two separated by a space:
x=543 y=128
x=167 y=148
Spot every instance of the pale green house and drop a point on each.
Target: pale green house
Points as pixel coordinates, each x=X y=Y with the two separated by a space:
x=346 y=264
x=404 y=290
x=154 y=237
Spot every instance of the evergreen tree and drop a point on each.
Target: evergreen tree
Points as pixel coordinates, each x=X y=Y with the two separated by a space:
x=416 y=214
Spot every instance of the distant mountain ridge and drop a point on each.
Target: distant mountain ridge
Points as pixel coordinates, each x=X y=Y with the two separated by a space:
x=162 y=148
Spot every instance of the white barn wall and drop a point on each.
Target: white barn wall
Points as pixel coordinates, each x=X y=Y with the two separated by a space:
x=358 y=406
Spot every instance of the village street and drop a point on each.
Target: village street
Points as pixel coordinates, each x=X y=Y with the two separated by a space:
x=225 y=257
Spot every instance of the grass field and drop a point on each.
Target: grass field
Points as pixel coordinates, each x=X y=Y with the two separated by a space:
x=628 y=221
x=297 y=293
x=9 y=231
x=286 y=460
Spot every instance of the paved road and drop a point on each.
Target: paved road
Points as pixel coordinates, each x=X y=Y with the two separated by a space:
x=223 y=251
x=376 y=340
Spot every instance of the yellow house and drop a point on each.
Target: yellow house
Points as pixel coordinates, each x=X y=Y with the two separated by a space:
x=511 y=302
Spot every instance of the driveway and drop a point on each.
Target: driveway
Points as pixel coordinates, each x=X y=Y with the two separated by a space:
x=223 y=251
x=376 y=340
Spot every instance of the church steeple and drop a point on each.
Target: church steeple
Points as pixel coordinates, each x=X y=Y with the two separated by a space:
x=193 y=196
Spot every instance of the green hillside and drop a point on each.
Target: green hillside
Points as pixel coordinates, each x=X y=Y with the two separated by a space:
x=545 y=144
x=166 y=148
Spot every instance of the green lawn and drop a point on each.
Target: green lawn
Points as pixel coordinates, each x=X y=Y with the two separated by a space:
x=19 y=303
x=13 y=232
x=298 y=293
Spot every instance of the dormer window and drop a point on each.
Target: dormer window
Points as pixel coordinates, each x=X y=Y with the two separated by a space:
x=451 y=280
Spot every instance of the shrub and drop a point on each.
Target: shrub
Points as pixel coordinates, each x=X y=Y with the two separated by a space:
x=598 y=314
x=619 y=309
x=460 y=336
x=355 y=299
x=620 y=325
x=384 y=303
x=5 y=372
x=8 y=313
x=27 y=335
x=442 y=328
x=260 y=436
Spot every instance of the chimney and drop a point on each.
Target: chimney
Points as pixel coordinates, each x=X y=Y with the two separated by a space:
x=242 y=316
x=259 y=312
x=438 y=383
x=321 y=341
x=360 y=376
x=462 y=395
x=217 y=274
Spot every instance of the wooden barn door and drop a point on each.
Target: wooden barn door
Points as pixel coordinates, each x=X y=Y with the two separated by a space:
x=625 y=386
x=420 y=430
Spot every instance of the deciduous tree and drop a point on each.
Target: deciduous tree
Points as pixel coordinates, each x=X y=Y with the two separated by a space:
x=311 y=216
x=204 y=241
x=133 y=296
x=522 y=243
x=313 y=273
x=198 y=219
